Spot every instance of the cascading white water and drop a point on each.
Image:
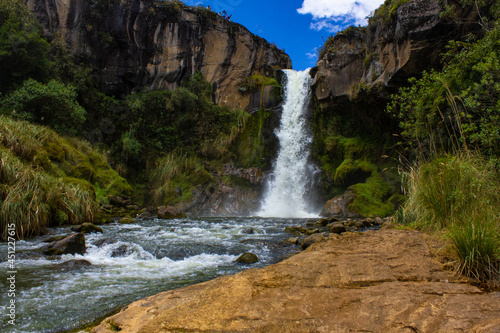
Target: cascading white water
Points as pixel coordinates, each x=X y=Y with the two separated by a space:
x=288 y=184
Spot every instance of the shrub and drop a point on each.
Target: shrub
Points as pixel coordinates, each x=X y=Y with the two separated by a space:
x=23 y=52
x=460 y=194
x=53 y=104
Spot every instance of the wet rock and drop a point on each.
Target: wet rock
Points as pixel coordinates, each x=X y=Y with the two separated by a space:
x=54 y=238
x=103 y=242
x=316 y=238
x=379 y=221
x=73 y=264
x=252 y=175
x=87 y=228
x=145 y=216
x=116 y=200
x=72 y=244
x=133 y=207
x=126 y=220
x=337 y=228
x=338 y=205
x=312 y=231
x=247 y=258
x=121 y=251
x=169 y=212
x=322 y=223
x=248 y=231
x=291 y=240
x=296 y=229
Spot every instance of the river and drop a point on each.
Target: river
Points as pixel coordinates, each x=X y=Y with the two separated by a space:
x=130 y=262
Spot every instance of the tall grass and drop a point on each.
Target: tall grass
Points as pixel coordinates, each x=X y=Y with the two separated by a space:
x=176 y=170
x=459 y=194
x=31 y=199
x=219 y=147
x=457 y=191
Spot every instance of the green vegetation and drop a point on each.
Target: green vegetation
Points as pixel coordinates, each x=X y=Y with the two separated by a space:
x=257 y=82
x=23 y=52
x=386 y=12
x=458 y=193
x=461 y=101
x=53 y=104
x=450 y=121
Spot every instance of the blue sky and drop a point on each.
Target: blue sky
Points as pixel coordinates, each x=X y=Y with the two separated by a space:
x=297 y=26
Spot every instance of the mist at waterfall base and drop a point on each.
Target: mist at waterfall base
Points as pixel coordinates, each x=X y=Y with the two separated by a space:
x=130 y=262
x=292 y=179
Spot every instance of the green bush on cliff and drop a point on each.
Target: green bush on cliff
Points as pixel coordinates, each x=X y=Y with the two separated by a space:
x=458 y=105
x=53 y=104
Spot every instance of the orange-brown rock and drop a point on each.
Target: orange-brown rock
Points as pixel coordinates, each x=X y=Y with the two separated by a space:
x=158 y=44
x=383 y=281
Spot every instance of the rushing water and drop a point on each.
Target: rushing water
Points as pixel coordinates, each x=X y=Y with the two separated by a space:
x=291 y=178
x=130 y=262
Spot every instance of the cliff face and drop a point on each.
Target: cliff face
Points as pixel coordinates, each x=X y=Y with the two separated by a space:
x=134 y=44
x=358 y=70
x=389 y=51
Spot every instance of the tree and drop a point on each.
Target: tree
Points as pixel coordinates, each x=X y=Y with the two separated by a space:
x=23 y=52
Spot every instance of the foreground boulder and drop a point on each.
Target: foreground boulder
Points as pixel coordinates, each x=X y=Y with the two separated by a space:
x=169 y=212
x=73 y=244
x=378 y=281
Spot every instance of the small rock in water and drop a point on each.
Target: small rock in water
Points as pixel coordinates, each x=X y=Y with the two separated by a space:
x=120 y=251
x=247 y=258
x=292 y=240
x=54 y=238
x=169 y=212
x=126 y=220
x=337 y=228
x=87 y=228
x=72 y=244
x=248 y=231
x=315 y=238
x=145 y=216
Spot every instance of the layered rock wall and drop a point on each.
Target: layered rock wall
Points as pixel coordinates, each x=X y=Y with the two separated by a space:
x=157 y=44
x=390 y=50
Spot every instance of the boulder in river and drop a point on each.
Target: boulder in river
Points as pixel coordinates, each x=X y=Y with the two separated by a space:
x=169 y=212
x=73 y=244
x=87 y=228
x=247 y=258
x=337 y=228
x=126 y=220
x=314 y=238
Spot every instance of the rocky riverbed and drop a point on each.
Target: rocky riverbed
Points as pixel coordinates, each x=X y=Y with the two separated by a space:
x=378 y=281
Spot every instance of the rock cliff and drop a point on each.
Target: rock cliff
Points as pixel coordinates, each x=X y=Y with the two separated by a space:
x=157 y=44
x=358 y=70
x=392 y=48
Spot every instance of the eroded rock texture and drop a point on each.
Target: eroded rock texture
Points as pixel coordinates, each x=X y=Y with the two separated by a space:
x=384 y=281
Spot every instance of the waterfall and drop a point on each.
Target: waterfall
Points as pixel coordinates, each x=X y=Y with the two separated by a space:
x=290 y=181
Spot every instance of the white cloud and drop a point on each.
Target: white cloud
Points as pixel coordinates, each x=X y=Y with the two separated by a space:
x=328 y=14
x=313 y=54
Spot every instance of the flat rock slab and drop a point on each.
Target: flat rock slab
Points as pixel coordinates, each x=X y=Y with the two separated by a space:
x=378 y=281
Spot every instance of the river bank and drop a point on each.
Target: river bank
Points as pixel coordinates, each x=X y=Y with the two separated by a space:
x=378 y=281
